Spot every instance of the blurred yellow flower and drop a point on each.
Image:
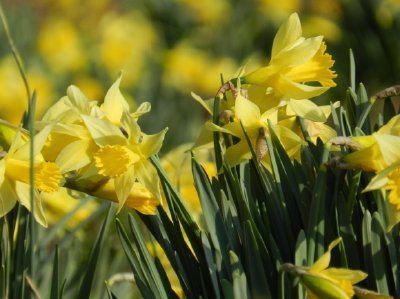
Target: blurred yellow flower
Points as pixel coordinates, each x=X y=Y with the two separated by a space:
x=124 y=44
x=278 y=10
x=177 y=164
x=315 y=24
x=60 y=46
x=58 y=204
x=156 y=250
x=208 y=12
x=295 y=61
x=13 y=98
x=188 y=68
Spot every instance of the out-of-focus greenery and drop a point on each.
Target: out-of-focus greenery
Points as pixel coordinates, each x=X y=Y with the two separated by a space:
x=169 y=48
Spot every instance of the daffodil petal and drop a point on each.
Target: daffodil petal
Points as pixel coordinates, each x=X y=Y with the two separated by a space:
x=354 y=276
x=151 y=144
x=142 y=200
x=323 y=262
x=238 y=153
x=103 y=132
x=147 y=175
x=143 y=108
x=207 y=105
x=40 y=138
x=132 y=128
x=389 y=146
x=78 y=99
x=114 y=103
x=8 y=197
x=306 y=109
x=247 y=112
x=299 y=54
x=380 y=180
x=75 y=155
x=287 y=34
x=123 y=185
x=297 y=90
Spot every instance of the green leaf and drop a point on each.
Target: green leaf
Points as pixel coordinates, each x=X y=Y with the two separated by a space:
x=85 y=289
x=55 y=292
x=257 y=280
x=239 y=280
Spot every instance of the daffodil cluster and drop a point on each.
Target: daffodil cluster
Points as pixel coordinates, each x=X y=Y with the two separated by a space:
x=274 y=97
x=97 y=149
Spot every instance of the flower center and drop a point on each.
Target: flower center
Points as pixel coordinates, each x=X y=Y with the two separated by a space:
x=114 y=160
x=47 y=175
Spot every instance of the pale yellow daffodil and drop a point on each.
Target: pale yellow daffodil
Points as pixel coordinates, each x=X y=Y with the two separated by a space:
x=295 y=61
x=256 y=126
x=322 y=282
x=15 y=175
x=125 y=158
x=377 y=151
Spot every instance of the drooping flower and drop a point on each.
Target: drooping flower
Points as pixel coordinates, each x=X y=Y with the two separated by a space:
x=15 y=175
x=295 y=61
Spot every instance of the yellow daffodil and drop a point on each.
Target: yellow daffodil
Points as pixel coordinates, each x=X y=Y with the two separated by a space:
x=256 y=126
x=15 y=175
x=295 y=61
x=377 y=151
x=125 y=158
x=322 y=282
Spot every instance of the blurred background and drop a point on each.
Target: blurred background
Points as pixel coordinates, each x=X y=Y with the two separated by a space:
x=166 y=49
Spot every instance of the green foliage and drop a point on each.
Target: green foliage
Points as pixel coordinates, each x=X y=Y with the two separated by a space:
x=255 y=220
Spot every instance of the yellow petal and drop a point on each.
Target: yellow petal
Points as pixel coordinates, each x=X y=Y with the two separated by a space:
x=148 y=177
x=247 y=112
x=103 y=132
x=238 y=153
x=78 y=99
x=114 y=103
x=123 y=186
x=151 y=144
x=75 y=155
x=323 y=262
x=389 y=146
x=354 y=276
x=289 y=88
x=287 y=34
x=208 y=105
x=322 y=288
x=8 y=197
x=306 y=109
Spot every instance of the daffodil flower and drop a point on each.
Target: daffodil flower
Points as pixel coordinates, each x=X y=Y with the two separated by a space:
x=15 y=175
x=295 y=61
x=125 y=157
x=322 y=282
x=256 y=126
x=377 y=151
